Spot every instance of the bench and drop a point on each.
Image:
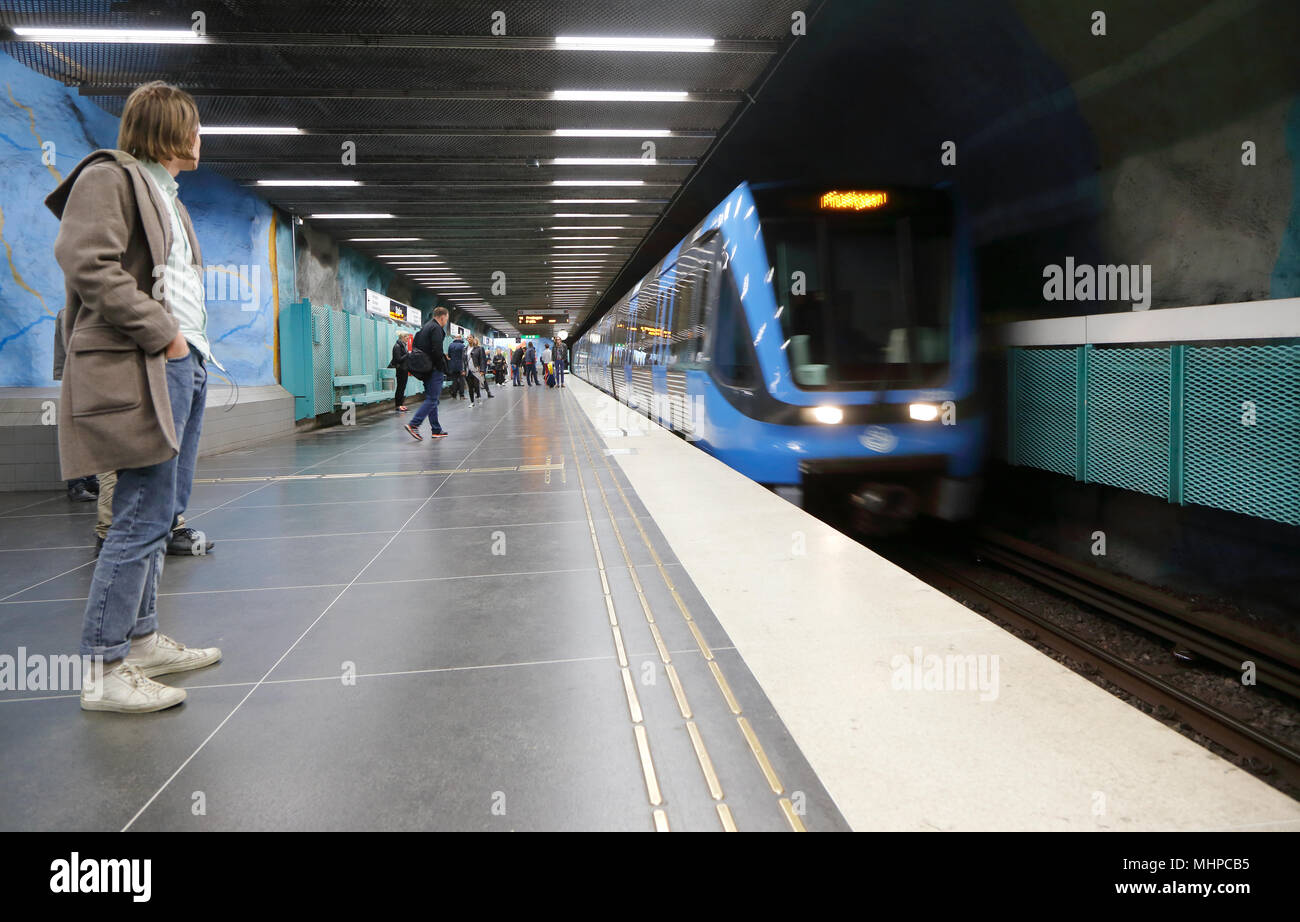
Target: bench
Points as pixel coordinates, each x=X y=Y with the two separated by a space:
x=369 y=395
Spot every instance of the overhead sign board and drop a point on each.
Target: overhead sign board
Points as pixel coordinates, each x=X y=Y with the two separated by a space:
x=380 y=305
x=535 y=317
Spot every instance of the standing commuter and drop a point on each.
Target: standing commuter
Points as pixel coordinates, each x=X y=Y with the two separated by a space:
x=561 y=357
x=456 y=367
x=516 y=364
x=499 y=366
x=478 y=364
x=134 y=382
x=429 y=342
x=530 y=365
x=399 y=364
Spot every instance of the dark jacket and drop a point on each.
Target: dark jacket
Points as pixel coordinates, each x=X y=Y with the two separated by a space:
x=399 y=355
x=560 y=352
x=429 y=341
x=114 y=229
x=456 y=357
x=478 y=358
x=530 y=355
x=517 y=357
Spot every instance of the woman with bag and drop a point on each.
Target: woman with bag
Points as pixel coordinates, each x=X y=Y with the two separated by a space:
x=400 y=350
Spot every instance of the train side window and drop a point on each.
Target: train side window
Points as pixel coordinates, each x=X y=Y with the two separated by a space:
x=734 y=361
x=690 y=313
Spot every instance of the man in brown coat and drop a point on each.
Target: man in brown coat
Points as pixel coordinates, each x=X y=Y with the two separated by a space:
x=134 y=382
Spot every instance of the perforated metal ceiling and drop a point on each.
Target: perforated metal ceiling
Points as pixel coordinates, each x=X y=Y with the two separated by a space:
x=448 y=107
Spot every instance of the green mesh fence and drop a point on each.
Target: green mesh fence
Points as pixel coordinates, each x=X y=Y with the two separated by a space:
x=1214 y=425
x=1043 y=400
x=1128 y=419
x=1242 y=430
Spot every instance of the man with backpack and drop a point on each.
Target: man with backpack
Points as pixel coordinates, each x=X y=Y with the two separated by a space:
x=516 y=363
x=428 y=362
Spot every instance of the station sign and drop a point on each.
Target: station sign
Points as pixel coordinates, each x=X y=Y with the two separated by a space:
x=384 y=307
x=538 y=317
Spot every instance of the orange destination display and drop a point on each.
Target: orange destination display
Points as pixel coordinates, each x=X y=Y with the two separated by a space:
x=853 y=201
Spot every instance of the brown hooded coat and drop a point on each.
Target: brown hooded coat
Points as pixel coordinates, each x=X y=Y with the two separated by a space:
x=114 y=410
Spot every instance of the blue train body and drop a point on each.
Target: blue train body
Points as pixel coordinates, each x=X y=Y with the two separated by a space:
x=726 y=343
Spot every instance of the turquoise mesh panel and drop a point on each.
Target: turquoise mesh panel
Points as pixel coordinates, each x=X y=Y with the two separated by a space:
x=1045 y=398
x=1230 y=464
x=322 y=363
x=1128 y=419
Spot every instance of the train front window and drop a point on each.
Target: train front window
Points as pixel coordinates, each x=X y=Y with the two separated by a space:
x=864 y=302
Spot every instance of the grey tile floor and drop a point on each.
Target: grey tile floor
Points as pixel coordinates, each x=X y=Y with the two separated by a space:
x=469 y=606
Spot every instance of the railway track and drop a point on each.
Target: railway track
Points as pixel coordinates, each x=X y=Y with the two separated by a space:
x=1266 y=754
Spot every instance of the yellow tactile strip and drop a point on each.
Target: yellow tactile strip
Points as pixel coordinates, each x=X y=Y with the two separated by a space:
x=725 y=815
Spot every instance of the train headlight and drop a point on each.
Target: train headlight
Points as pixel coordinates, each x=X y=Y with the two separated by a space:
x=828 y=415
x=925 y=412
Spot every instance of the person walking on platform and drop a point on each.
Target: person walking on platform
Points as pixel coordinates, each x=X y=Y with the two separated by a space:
x=428 y=362
x=517 y=364
x=136 y=374
x=561 y=355
x=400 y=348
x=530 y=365
x=478 y=365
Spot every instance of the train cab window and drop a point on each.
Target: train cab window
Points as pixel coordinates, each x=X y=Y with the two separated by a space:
x=864 y=302
x=734 y=361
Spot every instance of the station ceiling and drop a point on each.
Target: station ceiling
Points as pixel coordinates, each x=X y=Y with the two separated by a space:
x=458 y=120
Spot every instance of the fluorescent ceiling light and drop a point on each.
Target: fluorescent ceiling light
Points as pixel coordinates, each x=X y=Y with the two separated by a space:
x=588 y=215
x=621 y=95
x=407 y=255
x=359 y=215
x=589 y=237
x=597 y=182
x=631 y=43
x=601 y=161
x=248 y=129
x=308 y=182
x=119 y=36
x=584 y=246
x=589 y=227
x=381 y=239
x=612 y=132
x=594 y=201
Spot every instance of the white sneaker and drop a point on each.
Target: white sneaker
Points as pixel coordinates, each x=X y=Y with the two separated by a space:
x=166 y=656
x=127 y=690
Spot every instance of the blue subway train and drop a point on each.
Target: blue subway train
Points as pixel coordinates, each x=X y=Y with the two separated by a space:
x=820 y=341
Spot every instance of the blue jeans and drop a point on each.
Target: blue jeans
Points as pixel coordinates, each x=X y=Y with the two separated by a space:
x=429 y=409
x=124 y=590
x=559 y=372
